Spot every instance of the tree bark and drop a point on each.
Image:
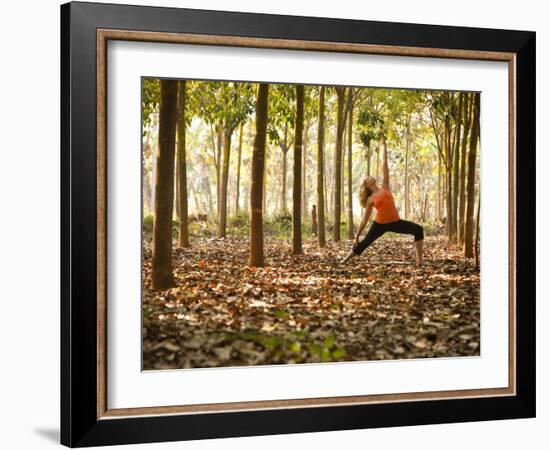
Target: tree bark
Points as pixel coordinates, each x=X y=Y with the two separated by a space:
x=237 y=184
x=304 y=169
x=183 y=235
x=314 y=220
x=469 y=228
x=368 y=154
x=222 y=222
x=463 y=152
x=284 y=208
x=456 y=169
x=256 y=257
x=321 y=169
x=350 y=169
x=476 y=242
x=162 y=276
x=407 y=150
x=297 y=181
x=218 y=163
x=340 y=123
x=448 y=175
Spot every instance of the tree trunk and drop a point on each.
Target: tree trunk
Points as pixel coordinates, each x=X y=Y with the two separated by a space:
x=469 y=228
x=218 y=167
x=237 y=184
x=314 y=220
x=297 y=181
x=368 y=159
x=304 y=170
x=256 y=257
x=438 y=186
x=350 y=169
x=284 y=208
x=455 y=165
x=476 y=242
x=321 y=169
x=162 y=276
x=183 y=235
x=462 y=177
x=448 y=176
x=340 y=118
x=154 y=154
x=264 y=186
x=407 y=150
x=222 y=222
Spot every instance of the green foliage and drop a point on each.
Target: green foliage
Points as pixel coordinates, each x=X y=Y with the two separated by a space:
x=296 y=347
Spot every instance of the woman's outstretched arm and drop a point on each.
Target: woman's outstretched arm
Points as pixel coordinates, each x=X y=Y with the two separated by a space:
x=364 y=222
x=385 y=169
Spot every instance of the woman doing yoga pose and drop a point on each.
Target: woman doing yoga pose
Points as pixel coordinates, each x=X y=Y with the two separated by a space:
x=387 y=217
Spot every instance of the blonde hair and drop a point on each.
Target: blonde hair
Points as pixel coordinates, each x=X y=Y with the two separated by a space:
x=364 y=193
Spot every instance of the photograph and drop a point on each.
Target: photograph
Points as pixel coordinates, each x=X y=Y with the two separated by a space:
x=307 y=224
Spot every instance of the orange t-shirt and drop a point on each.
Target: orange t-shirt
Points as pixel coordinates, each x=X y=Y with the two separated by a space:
x=386 y=212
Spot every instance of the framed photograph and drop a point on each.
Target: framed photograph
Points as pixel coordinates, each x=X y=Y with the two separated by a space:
x=277 y=224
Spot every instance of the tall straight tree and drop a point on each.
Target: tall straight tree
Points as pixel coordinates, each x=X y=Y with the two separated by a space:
x=256 y=256
x=239 y=157
x=162 y=275
x=467 y=112
x=341 y=93
x=297 y=182
x=469 y=227
x=181 y=167
x=321 y=169
x=350 y=179
x=456 y=168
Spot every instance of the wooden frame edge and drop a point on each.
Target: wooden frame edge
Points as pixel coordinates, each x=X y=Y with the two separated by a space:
x=103 y=35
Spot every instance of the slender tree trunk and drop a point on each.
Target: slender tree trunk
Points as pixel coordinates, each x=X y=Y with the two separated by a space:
x=377 y=159
x=476 y=242
x=462 y=182
x=256 y=257
x=304 y=170
x=154 y=153
x=341 y=94
x=162 y=276
x=219 y=141
x=237 y=184
x=469 y=228
x=407 y=151
x=350 y=169
x=264 y=185
x=314 y=220
x=456 y=169
x=448 y=176
x=183 y=235
x=297 y=181
x=284 y=208
x=438 y=186
x=368 y=154
x=222 y=222
x=321 y=169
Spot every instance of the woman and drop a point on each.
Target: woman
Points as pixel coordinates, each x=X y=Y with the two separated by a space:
x=387 y=217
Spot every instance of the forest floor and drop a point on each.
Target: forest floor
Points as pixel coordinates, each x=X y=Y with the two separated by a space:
x=310 y=308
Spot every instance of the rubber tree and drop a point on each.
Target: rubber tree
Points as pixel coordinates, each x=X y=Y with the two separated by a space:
x=162 y=275
x=256 y=253
x=321 y=169
x=297 y=181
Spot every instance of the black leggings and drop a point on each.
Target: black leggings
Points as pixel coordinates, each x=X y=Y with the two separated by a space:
x=378 y=229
